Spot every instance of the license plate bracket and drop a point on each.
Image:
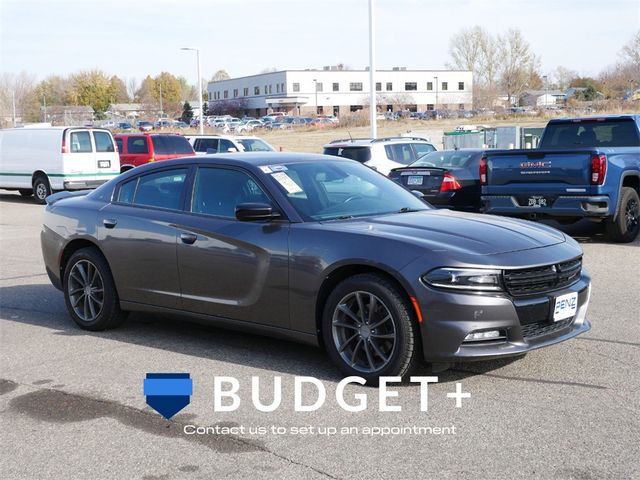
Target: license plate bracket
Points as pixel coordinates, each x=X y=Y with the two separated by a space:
x=565 y=306
x=414 y=180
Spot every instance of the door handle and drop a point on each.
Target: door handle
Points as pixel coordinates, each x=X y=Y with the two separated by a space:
x=109 y=222
x=188 y=238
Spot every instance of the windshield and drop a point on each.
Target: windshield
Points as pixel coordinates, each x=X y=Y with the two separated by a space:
x=255 y=145
x=452 y=159
x=336 y=190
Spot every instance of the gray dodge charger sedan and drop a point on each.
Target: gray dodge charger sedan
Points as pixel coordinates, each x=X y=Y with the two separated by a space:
x=316 y=249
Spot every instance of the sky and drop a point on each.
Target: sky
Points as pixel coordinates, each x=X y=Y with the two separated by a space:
x=136 y=38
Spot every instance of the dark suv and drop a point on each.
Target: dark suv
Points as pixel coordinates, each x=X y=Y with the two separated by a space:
x=140 y=148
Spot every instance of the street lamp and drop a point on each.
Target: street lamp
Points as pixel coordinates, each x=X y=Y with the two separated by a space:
x=372 y=70
x=200 y=122
x=546 y=88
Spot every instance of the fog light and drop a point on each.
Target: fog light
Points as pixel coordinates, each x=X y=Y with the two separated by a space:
x=486 y=335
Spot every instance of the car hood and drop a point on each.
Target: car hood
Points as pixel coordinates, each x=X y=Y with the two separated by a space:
x=446 y=230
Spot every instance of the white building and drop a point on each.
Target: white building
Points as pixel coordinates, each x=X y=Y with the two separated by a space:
x=305 y=92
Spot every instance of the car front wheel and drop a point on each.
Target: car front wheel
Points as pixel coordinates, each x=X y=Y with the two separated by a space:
x=369 y=328
x=90 y=293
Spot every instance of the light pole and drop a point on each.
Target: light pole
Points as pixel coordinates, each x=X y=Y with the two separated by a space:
x=44 y=100
x=200 y=120
x=436 y=105
x=372 y=70
x=315 y=84
x=546 y=89
x=161 y=110
x=13 y=103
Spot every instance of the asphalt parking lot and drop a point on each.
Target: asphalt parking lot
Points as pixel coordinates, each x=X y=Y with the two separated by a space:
x=71 y=402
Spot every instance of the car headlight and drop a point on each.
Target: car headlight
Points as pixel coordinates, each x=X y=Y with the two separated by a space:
x=465 y=279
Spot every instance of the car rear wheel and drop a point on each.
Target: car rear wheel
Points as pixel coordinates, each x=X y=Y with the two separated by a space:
x=90 y=293
x=369 y=328
x=41 y=189
x=626 y=225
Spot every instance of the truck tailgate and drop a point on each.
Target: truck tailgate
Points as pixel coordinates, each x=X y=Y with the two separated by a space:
x=539 y=167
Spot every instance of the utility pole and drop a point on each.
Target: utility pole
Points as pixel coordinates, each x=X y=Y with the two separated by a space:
x=13 y=103
x=201 y=121
x=436 y=106
x=44 y=100
x=315 y=84
x=160 y=85
x=372 y=70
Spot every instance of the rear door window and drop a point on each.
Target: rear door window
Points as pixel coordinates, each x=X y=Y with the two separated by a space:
x=227 y=146
x=400 y=152
x=205 y=144
x=162 y=189
x=360 y=154
x=104 y=143
x=120 y=144
x=137 y=145
x=80 y=142
x=171 y=145
x=422 y=149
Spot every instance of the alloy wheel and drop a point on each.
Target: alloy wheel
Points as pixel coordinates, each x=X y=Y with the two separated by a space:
x=631 y=215
x=86 y=290
x=364 y=332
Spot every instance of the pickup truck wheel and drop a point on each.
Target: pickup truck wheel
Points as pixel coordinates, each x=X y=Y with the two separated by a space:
x=41 y=189
x=626 y=225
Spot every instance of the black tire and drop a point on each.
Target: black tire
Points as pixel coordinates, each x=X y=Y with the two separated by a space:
x=25 y=192
x=101 y=316
x=625 y=226
x=41 y=189
x=376 y=356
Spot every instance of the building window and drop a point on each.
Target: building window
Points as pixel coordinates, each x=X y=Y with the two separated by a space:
x=235 y=92
x=226 y=94
x=355 y=108
x=277 y=88
x=460 y=85
x=355 y=87
x=282 y=87
x=445 y=85
x=319 y=109
x=389 y=86
x=245 y=92
x=430 y=107
x=410 y=86
x=461 y=106
x=429 y=85
x=256 y=90
x=319 y=87
x=296 y=87
x=336 y=87
x=269 y=89
x=378 y=87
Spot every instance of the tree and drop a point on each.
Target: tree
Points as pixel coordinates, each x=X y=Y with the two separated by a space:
x=92 y=88
x=220 y=75
x=518 y=63
x=563 y=77
x=119 y=90
x=631 y=51
x=187 y=113
x=21 y=88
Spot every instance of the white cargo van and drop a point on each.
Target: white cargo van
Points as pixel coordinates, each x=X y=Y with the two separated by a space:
x=37 y=161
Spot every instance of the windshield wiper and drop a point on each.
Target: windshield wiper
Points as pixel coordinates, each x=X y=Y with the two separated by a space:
x=407 y=210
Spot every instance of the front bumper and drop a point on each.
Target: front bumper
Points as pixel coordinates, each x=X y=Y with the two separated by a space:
x=562 y=206
x=527 y=324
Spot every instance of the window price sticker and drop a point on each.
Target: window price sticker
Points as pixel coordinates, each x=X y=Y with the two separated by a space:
x=287 y=183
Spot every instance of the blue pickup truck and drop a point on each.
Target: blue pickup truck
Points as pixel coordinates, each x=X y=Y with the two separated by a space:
x=582 y=168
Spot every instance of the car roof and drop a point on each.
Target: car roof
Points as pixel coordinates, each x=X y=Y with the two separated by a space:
x=364 y=142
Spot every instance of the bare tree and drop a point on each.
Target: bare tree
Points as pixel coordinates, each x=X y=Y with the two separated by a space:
x=133 y=84
x=631 y=51
x=21 y=90
x=563 y=76
x=518 y=64
x=220 y=75
x=465 y=49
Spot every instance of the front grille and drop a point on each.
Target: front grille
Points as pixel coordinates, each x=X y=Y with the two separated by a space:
x=530 y=281
x=540 y=329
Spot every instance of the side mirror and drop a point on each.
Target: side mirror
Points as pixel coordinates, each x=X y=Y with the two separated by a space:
x=248 y=212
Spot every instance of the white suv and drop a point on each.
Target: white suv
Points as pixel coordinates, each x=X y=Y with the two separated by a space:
x=381 y=154
x=203 y=144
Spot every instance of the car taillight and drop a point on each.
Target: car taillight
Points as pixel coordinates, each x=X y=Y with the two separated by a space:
x=598 y=169
x=483 y=171
x=449 y=182
x=65 y=148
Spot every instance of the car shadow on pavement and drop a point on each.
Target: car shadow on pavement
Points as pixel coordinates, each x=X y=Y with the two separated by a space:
x=42 y=305
x=16 y=198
